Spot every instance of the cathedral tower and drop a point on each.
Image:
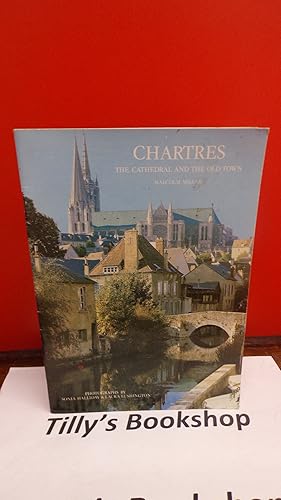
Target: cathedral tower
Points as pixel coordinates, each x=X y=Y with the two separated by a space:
x=79 y=209
x=170 y=226
x=149 y=221
x=85 y=194
x=92 y=186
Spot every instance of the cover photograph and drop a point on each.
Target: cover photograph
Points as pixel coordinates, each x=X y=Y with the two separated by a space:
x=141 y=244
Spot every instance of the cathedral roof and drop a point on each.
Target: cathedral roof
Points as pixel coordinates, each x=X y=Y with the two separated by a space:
x=199 y=214
x=118 y=217
x=132 y=217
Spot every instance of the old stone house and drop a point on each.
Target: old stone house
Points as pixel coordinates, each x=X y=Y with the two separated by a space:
x=241 y=248
x=133 y=254
x=212 y=287
x=78 y=336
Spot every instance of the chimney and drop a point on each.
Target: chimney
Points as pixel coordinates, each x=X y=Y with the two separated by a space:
x=166 y=264
x=86 y=267
x=37 y=259
x=159 y=245
x=131 y=251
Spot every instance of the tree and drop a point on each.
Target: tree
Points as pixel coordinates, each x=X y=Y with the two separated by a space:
x=90 y=244
x=225 y=257
x=204 y=257
x=42 y=230
x=81 y=250
x=53 y=307
x=126 y=311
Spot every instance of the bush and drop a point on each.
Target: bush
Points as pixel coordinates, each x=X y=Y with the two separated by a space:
x=127 y=314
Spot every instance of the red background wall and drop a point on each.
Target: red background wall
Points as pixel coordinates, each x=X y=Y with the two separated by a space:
x=137 y=63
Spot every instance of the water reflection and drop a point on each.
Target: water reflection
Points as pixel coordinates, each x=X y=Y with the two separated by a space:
x=140 y=383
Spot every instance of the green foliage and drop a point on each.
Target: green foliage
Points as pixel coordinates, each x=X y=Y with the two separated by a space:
x=125 y=310
x=225 y=257
x=81 y=251
x=42 y=230
x=204 y=258
x=53 y=308
x=90 y=244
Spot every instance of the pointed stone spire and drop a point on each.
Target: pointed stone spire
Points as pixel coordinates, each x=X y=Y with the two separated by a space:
x=78 y=192
x=170 y=212
x=211 y=216
x=149 y=211
x=149 y=220
x=170 y=226
x=85 y=162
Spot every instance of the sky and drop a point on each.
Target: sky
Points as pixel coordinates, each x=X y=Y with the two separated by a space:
x=45 y=158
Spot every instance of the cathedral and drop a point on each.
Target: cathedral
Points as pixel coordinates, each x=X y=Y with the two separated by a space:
x=85 y=194
x=160 y=223
x=179 y=227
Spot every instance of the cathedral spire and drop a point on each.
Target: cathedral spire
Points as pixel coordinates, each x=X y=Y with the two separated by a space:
x=85 y=161
x=78 y=191
x=170 y=212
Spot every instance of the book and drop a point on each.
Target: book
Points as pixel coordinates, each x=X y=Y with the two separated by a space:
x=141 y=244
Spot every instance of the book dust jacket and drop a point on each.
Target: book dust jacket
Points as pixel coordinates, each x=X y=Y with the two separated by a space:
x=141 y=244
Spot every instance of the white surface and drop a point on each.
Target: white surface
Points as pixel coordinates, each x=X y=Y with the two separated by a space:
x=156 y=464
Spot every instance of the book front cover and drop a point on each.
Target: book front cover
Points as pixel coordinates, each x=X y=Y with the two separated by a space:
x=141 y=244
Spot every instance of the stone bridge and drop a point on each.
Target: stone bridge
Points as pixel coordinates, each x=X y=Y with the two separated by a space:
x=188 y=334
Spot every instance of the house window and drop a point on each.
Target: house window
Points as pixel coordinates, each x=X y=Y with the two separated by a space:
x=82 y=335
x=82 y=298
x=175 y=288
x=110 y=270
x=166 y=287
x=160 y=287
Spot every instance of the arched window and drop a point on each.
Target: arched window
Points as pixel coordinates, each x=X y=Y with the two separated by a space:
x=206 y=232
x=202 y=233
